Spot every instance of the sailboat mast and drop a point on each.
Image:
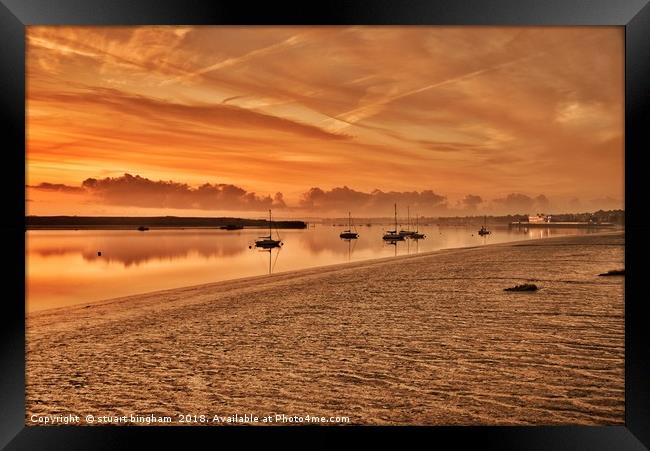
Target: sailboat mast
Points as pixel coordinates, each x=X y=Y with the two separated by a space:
x=349 y=220
x=270 y=231
x=395 y=217
x=408 y=217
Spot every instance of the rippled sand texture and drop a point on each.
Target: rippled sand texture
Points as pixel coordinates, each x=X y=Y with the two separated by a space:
x=427 y=339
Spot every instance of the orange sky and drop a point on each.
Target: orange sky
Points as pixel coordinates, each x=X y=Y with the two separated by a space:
x=217 y=120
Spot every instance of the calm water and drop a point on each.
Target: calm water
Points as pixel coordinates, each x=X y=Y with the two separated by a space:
x=63 y=267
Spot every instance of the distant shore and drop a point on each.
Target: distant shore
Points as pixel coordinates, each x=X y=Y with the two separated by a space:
x=576 y=225
x=159 y=222
x=422 y=339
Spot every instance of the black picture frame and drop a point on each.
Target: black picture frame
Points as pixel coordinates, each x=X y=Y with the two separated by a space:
x=633 y=15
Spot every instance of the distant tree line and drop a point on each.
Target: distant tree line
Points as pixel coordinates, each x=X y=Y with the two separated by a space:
x=613 y=216
x=156 y=221
x=473 y=220
x=600 y=216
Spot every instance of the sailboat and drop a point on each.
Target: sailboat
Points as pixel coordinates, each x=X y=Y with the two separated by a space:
x=268 y=242
x=349 y=234
x=392 y=235
x=407 y=233
x=484 y=230
x=417 y=235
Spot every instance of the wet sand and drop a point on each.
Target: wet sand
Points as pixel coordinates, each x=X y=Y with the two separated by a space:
x=421 y=339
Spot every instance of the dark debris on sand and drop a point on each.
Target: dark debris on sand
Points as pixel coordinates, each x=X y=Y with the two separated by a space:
x=614 y=272
x=524 y=287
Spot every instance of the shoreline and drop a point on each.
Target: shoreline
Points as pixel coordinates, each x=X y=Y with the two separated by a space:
x=151 y=228
x=416 y=339
x=300 y=272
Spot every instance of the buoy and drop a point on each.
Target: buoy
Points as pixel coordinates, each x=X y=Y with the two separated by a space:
x=99 y=254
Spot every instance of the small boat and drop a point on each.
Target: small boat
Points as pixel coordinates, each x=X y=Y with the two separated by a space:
x=143 y=228
x=349 y=234
x=231 y=227
x=484 y=230
x=407 y=233
x=267 y=242
x=417 y=235
x=392 y=235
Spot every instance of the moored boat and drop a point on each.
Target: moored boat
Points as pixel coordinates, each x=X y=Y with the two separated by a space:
x=267 y=242
x=349 y=234
x=417 y=235
x=407 y=232
x=484 y=230
x=393 y=235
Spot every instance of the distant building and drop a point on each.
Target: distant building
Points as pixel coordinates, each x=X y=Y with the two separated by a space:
x=539 y=217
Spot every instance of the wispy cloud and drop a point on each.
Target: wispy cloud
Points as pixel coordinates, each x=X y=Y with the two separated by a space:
x=233 y=61
x=370 y=109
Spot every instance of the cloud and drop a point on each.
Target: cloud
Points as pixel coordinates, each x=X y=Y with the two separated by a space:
x=167 y=196
x=605 y=203
x=278 y=200
x=233 y=61
x=371 y=109
x=375 y=203
x=176 y=114
x=137 y=191
x=574 y=204
x=542 y=201
x=142 y=192
x=521 y=204
x=515 y=202
x=471 y=201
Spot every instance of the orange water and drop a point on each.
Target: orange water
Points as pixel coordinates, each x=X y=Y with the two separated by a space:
x=63 y=267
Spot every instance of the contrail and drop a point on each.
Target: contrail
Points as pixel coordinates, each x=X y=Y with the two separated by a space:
x=368 y=110
x=228 y=62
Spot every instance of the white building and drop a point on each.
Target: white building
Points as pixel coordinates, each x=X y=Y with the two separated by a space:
x=539 y=217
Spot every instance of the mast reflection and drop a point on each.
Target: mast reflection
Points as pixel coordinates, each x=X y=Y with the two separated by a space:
x=272 y=261
x=351 y=246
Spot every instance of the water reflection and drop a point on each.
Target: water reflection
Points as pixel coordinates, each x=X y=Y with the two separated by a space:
x=413 y=245
x=129 y=248
x=63 y=267
x=392 y=243
x=351 y=242
x=272 y=260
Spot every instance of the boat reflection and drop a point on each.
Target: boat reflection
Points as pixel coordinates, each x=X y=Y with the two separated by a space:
x=352 y=242
x=272 y=261
x=394 y=244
